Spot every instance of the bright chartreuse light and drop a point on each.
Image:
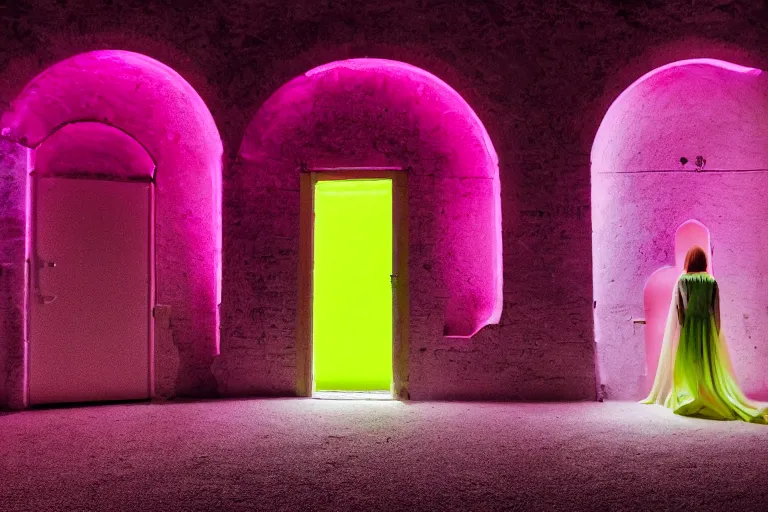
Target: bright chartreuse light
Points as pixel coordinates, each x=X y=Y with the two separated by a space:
x=352 y=302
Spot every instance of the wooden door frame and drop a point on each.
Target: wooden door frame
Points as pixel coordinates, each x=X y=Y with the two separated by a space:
x=400 y=309
x=32 y=281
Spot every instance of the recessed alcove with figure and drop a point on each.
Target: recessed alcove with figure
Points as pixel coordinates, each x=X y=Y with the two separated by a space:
x=351 y=120
x=685 y=141
x=120 y=163
x=657 y=293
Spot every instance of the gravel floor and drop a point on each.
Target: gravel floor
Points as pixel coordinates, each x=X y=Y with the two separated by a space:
x=294 y=454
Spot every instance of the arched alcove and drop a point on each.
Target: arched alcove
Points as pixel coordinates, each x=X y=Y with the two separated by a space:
x=117 y=114
x=93 y=150
x=648 y=179
x=657 y=294
x=361 y=115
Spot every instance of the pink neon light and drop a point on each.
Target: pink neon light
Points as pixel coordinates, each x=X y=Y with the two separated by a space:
x=736 y=68
x=461 y=106
x=90 y=149
x=393 y=65
x=359 y=99
x=27 y=258
x=603 y=136
x=155 y=106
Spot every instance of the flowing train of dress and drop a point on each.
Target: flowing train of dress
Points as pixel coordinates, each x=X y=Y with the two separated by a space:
x=695 y=376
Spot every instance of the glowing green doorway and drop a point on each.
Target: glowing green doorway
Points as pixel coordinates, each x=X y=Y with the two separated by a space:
x=352 y=292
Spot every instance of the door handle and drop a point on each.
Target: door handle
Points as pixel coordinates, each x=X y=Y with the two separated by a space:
x=41 y=263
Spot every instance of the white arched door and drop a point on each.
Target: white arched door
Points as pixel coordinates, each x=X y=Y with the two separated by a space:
x=90 y=296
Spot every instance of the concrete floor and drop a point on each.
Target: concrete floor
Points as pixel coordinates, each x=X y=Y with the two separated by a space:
x=296 y=454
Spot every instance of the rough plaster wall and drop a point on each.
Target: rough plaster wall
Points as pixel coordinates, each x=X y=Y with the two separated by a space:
x=692 y=109
x=644 y=235
x=696 y=109
x=541 y=76
x=164 y=114
x=13 y=187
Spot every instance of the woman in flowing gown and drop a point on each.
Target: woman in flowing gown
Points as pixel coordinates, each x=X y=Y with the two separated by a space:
x=695 y=376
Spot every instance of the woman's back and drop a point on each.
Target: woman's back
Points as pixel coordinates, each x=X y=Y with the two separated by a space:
x=698 y=293
x=694 y=376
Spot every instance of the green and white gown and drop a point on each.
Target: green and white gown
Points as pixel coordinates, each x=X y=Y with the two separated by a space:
x=695 y=376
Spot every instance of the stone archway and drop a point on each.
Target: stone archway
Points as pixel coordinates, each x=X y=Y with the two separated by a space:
x=360 y=114
x=647 y=181
x=156 y=107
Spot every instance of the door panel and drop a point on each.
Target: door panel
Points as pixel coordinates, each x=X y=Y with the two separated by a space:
x=352 y=288
x=90 y=313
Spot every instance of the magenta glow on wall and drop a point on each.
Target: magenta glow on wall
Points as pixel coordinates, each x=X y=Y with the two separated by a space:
x=358 y=114
x=642 y=192
x=120 y=114
x=94 y=150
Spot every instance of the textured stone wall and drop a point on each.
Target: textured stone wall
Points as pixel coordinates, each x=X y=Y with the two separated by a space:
x=13 y=162
x=540 y=75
